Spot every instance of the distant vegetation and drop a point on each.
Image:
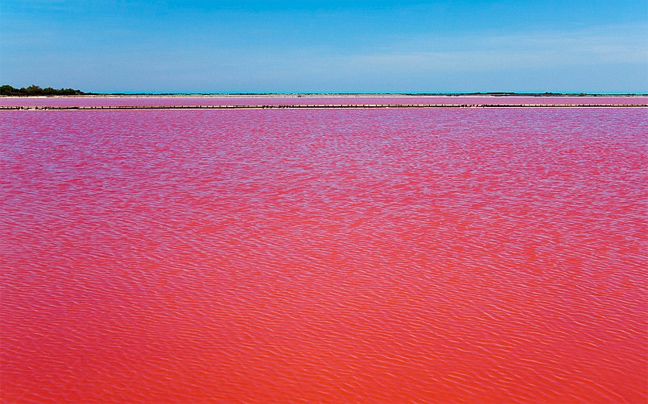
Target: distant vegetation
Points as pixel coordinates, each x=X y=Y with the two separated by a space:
x=36 y=90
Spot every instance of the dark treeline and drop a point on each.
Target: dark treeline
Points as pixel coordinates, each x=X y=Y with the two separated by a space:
x=36 y=90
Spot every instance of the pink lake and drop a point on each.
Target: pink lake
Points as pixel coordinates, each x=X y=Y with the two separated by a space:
x=321 y=255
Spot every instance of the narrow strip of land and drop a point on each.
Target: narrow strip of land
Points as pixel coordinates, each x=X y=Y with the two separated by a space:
x=316 y=106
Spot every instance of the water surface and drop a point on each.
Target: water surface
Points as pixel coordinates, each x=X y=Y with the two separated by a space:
x=397 y=255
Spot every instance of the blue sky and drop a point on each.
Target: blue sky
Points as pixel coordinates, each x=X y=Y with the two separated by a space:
x=326 y=46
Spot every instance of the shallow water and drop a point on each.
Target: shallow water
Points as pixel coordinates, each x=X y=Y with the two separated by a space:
x=427 y=255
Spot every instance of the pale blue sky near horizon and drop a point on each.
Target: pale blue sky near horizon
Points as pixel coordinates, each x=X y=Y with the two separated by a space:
x=595 y=46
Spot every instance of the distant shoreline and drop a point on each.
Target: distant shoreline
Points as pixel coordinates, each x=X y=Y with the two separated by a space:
x=326 y=95
x=311 y=101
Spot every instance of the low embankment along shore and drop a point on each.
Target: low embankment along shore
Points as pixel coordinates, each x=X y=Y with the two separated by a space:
x=311 y=106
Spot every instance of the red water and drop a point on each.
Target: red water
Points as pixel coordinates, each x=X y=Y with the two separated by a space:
x=313 y=100
x=397 y=255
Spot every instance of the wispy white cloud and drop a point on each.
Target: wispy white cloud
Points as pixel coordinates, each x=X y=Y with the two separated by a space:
x=604 y=45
